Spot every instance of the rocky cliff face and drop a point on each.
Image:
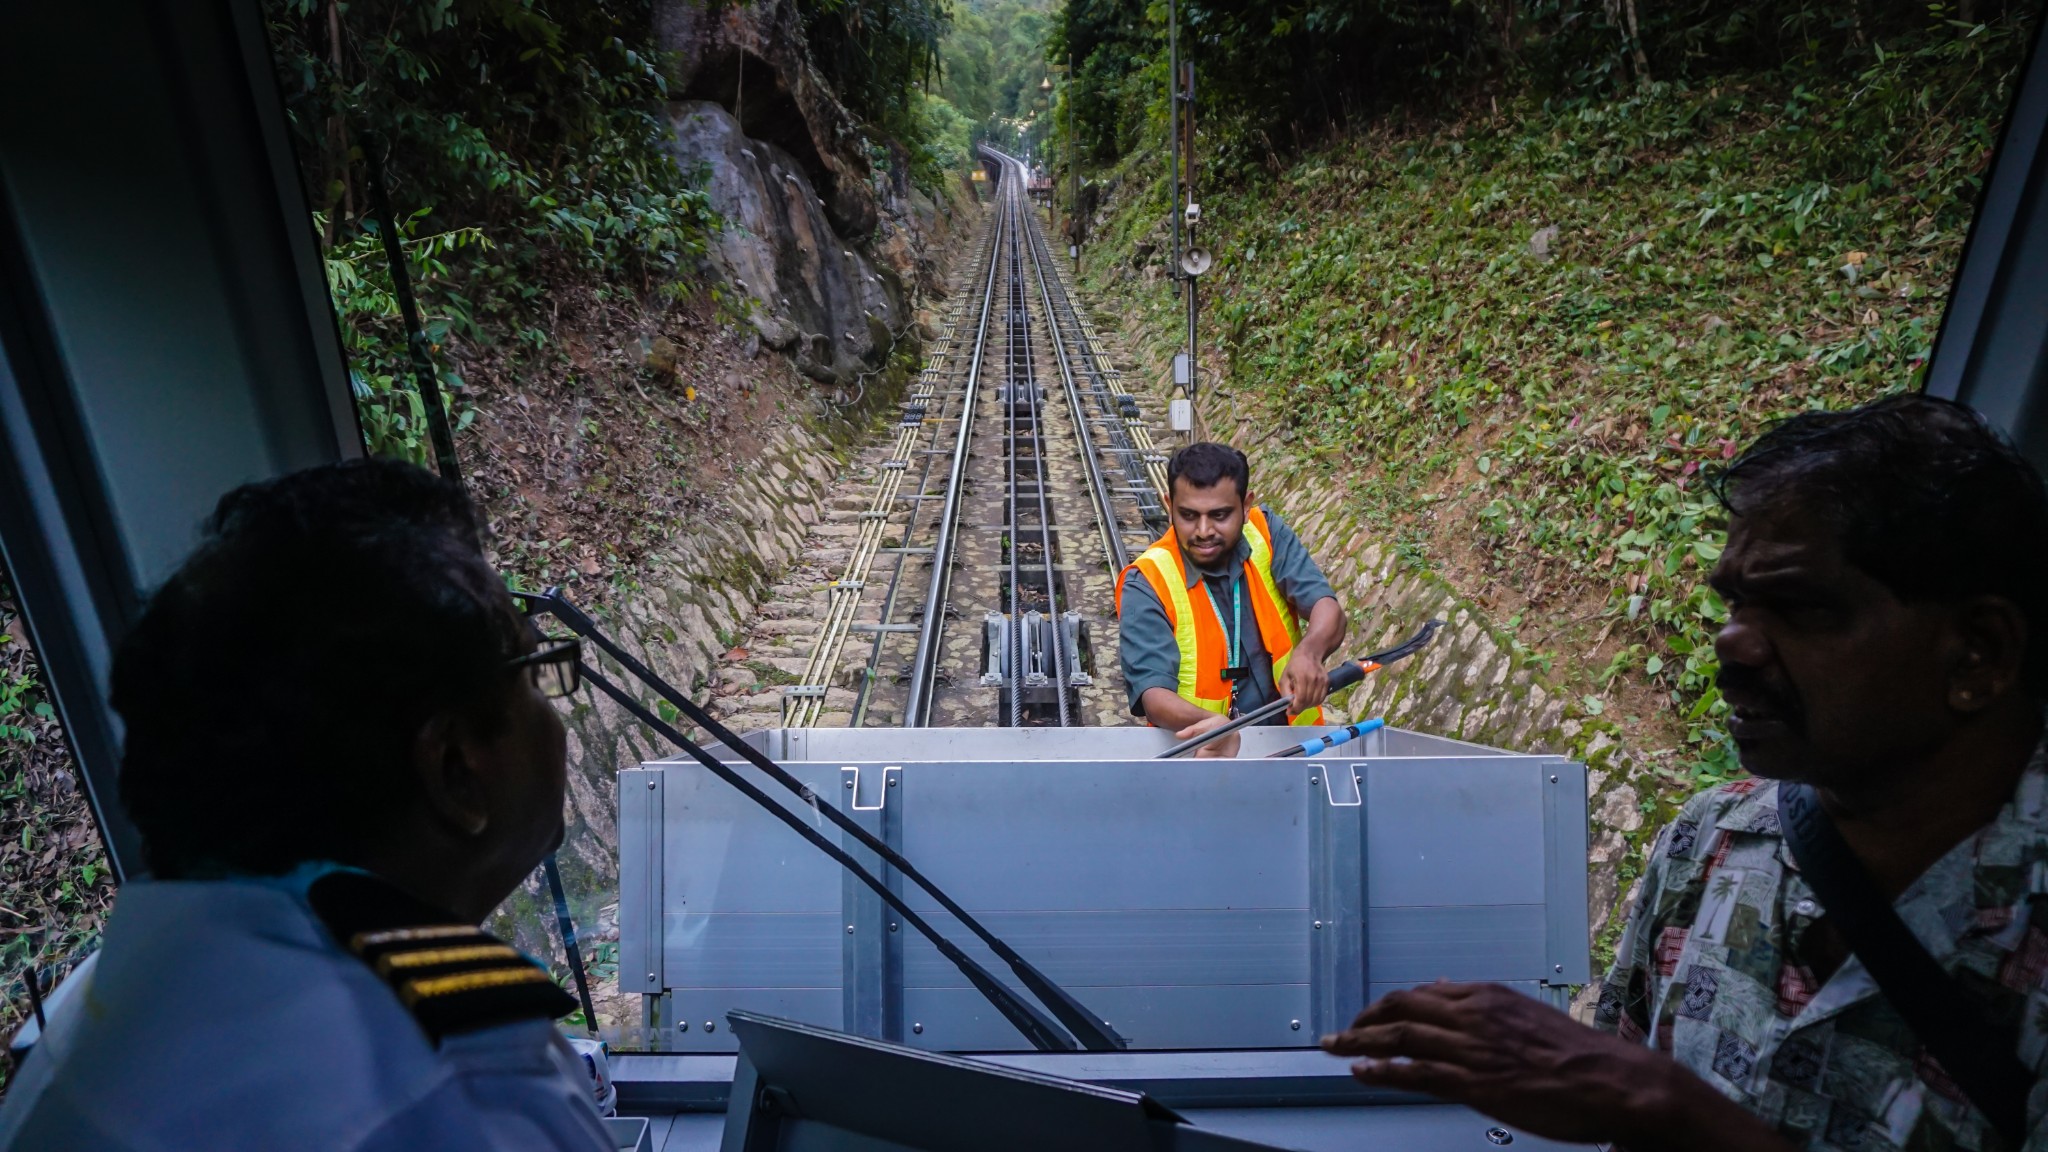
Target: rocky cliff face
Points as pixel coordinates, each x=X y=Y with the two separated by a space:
x=823 y=244
x=811 y=293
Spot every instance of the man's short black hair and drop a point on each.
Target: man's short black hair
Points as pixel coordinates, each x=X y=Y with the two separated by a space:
x=1204 y=464
x=274 y=686
x=1929 y=499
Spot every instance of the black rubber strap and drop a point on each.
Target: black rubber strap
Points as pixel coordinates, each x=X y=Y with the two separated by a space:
x=1036 y=1027
x=570 y=948
x=1093 y=1032
x=1976 y=1052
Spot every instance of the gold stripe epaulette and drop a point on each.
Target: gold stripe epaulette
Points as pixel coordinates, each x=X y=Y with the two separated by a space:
x=451 y=977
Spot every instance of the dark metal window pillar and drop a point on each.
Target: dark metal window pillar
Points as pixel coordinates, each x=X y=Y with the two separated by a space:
x=165 y=328
x=1992 y=352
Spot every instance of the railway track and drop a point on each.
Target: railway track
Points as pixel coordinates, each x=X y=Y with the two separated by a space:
x=1021 y=477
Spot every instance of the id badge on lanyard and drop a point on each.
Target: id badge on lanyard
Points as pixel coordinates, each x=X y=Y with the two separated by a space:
x=1236 y=669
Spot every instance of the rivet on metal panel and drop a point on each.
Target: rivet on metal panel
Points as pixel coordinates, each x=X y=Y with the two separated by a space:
x=650 y=785
x=711 y=1025
x=1319 y=923
x=892 y=925
x=683 y=1026
x=917 y=1028
x=1294 y=1024
x=1553 y=779
x=652 y=976
x=892 y=781
x=849 y=783
x=1559 y=967
x=1499 y=1136
x=1314 y=780
x=849 y=929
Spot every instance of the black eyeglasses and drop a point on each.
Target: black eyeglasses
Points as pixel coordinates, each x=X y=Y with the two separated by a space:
x=556 y=667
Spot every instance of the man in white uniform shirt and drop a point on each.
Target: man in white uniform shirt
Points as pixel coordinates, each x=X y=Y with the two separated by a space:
x=340 y=757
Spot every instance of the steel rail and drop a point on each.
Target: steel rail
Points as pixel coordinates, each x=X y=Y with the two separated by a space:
x=845 y=596
x=872 y=673
x=1131 y=438
x=1013 y=543
x=1116 y=554
x=1130 y=441
x=924 y=662
x=1029 y=429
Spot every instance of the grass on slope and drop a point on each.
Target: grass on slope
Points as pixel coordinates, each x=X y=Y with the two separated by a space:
x=1520 y=338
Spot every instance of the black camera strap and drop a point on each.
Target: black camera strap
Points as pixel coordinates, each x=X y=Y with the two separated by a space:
x=1976 y=1052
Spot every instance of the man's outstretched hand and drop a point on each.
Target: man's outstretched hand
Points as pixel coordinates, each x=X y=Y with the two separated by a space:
x=1524 y=1063
x=1222 y=747
x=1305 y=679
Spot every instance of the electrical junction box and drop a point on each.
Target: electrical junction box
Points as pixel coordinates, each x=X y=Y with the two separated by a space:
x=1181 y=375
x=1180 y=414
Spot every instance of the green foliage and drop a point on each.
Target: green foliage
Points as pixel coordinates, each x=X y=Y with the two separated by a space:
x=876 y=53
x=1275 y=76
x=995 y=66
x=540 y=126
x=1712 y=258
x=520 y=143
x=381 y=374
x=54 y=883
x=1119 y=72
x=941 y=142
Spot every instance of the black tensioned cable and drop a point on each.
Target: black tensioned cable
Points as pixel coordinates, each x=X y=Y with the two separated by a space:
x=1094 y=1033
x=1042 y=1033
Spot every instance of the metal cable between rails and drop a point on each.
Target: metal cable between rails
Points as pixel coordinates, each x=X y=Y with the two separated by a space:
x=1026 y=433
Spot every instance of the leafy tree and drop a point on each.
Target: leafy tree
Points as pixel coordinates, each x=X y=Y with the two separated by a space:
x=519 y=144
x=876 y=53
x=995 y=67
x=1278 y=75
x=540 y=126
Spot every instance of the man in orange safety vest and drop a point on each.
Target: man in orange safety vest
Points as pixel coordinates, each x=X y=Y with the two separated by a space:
x=1231 y=612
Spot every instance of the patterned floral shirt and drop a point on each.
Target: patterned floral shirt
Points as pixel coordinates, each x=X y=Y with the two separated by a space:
x=1717 y=967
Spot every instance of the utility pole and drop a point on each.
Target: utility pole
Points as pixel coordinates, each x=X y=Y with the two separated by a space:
x=1192 y=210
x=1184 y=364
x=1173 y=134
x=1074 y=162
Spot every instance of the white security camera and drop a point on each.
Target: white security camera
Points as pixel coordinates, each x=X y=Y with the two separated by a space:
x=1194 y=214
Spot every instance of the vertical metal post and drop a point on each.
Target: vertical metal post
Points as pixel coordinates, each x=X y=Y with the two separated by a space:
x=1173 y=272
x=1339 y=977
x=1074 y=160
x=1186 y=83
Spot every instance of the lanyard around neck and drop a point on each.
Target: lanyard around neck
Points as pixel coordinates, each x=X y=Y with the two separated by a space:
x=1233 y=633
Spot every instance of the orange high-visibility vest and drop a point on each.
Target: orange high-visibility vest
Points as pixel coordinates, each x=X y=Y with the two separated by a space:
x=1198 y=631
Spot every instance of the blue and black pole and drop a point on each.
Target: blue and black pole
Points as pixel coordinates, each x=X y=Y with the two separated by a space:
x=1342 y=676
x=1332 y=738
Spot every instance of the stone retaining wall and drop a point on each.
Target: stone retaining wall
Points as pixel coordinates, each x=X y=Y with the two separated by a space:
x=680 y=617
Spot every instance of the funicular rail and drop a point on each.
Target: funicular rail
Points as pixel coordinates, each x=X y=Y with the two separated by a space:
x=995 y=547
x=922 y=421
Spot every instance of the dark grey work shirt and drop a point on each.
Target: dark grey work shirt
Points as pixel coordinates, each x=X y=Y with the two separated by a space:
x=1151 y=659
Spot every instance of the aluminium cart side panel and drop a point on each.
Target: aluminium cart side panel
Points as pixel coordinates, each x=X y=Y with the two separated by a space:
x=1221 y=903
